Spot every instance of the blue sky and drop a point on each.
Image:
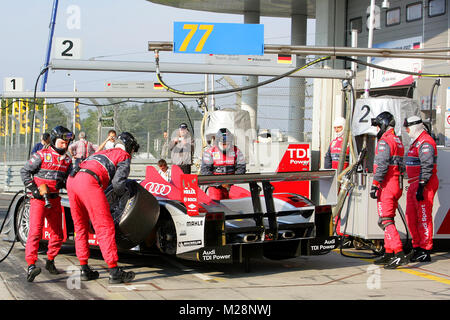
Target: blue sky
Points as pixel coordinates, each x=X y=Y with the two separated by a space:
x=114 y=29
x=109 y=30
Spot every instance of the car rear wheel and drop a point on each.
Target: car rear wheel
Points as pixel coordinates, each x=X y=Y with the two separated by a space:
x=23 y=221
x=166 y=236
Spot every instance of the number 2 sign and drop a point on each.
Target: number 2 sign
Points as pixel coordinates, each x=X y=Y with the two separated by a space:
x=67 y=48
x=366 y=109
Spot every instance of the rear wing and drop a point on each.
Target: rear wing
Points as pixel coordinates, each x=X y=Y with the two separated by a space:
x=185 y=187
x=327 y=181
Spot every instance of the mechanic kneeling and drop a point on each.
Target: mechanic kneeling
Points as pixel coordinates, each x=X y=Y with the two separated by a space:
x=44 y=174
x=223 y=158
x=87 y=199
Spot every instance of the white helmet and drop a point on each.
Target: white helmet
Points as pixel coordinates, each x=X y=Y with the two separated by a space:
x=415 y=125
x=339 y=122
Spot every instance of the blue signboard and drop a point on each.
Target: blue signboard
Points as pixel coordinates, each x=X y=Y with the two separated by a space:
x=218 y=38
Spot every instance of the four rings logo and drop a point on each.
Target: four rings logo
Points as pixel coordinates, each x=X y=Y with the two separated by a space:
x=158 y=188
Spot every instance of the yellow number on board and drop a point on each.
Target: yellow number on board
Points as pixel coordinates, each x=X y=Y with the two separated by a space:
x=201 y=43
x=193 y=28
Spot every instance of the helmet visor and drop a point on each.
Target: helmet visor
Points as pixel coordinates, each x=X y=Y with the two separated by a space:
x=408 y=124
x=68 y=136
x=374 y=122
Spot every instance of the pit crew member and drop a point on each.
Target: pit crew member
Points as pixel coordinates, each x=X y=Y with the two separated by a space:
x=221 y=159
x=44 y=174
x=88 y=202
x=334 y=150
x=423 y=182
x=387 y=170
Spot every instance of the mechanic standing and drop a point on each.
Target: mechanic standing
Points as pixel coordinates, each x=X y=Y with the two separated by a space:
x=334 y=150
x=421 y=169
x=222 y=158
x=386 y=188
x=332 y=162
x=88 y=202
x=44 y=174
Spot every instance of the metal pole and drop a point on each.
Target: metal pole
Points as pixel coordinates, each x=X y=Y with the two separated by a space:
x=213 y=99
x=74 y=108
x=50 y=39
x=169 y=105
x=369 y=45
x=354 y=65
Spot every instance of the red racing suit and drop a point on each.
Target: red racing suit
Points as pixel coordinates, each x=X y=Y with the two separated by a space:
x=387 y=168
x=46 y=166
x=88 y=201
x=334 y=152
x=421 y=167
x=216 y=162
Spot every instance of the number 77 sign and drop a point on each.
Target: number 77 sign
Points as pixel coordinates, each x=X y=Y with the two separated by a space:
x=218 y=38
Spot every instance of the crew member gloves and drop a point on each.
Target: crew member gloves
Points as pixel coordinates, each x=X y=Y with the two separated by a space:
x=34 y=190
x=61 y=184
x=419 y=194
x=373 y=192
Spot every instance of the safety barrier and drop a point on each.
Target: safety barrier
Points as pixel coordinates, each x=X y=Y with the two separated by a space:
x=10 y=180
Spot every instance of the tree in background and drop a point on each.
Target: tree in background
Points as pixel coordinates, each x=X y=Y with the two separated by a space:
x=141 y=119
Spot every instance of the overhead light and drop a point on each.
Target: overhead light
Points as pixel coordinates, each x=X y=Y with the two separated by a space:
x=385 y=4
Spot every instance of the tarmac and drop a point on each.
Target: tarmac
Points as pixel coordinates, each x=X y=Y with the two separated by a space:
x=158 y=277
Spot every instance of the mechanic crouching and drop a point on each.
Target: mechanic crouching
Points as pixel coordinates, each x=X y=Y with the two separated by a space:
x=223 y=158
x=421 y=169
x=386 y=188
x=85 y=189
x=44 y=174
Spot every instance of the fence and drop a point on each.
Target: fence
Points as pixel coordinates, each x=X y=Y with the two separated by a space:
x=10 y=180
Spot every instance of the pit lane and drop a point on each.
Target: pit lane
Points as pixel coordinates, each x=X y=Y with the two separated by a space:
x=158 y=277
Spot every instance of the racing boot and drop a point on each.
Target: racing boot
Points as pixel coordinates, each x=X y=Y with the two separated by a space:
x=88 y=274
x=117 y=275
x=420 y=255
x=399 y=259
x=384 y=259
x=32 y=272
x=50 y=266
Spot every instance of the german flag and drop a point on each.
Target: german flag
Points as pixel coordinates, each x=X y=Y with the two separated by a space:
x=285 y=58
x=416 y=45
x=157 y=86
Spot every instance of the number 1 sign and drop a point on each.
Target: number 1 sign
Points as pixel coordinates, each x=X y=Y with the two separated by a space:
x=13 y=84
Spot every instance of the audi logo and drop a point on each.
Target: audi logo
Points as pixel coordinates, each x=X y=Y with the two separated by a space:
x=158 y=188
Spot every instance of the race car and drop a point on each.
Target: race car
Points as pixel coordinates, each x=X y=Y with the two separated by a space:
x=180 y=219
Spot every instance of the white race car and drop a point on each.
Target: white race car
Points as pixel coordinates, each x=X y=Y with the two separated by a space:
x=180 y=219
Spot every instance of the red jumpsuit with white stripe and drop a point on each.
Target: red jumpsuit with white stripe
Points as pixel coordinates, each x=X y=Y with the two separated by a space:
x=88 y=201
x=216 y=162
x=421 y=167
x=334 y=152
x=387 y=168
x=46 y=166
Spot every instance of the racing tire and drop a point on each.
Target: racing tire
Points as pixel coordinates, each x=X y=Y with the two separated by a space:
x=22 y=221
x=166 y=236
x=135 y=213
